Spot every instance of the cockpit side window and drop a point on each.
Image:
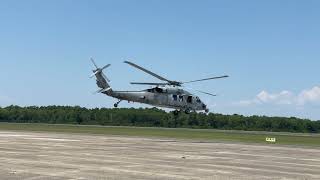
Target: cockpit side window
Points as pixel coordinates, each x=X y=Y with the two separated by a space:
x=198 y=100
x=189 y=99
x=181 y=98
x=175 y=97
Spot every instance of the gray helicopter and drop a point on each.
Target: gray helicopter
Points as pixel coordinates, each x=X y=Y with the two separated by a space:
x=167 y=94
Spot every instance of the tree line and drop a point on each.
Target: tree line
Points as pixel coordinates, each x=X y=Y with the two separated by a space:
x=153 y=117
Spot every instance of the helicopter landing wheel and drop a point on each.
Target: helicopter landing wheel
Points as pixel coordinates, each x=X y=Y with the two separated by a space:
x=117 y=103
x=187 y=111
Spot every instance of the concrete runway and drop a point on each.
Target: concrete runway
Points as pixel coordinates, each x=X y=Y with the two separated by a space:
x=28 y=155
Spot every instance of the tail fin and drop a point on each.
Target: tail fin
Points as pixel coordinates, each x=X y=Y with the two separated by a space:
x=102 y=80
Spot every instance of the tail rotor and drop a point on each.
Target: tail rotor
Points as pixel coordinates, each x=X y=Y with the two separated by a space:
x=102 y=80
x=94 y=63
x=99 y=70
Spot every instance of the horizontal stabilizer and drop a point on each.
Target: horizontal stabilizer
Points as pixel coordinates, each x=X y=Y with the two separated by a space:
x=103 y=90
x=106 y=90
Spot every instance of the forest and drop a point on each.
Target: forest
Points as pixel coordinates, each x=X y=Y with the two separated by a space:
x=153 y=117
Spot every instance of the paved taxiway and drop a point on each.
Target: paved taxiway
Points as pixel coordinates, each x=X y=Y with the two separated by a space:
x=29 y=155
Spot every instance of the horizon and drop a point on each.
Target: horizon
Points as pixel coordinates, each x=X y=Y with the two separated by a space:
x=269 y=50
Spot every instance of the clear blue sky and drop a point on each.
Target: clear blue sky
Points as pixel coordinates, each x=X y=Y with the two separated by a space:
x=269 y=48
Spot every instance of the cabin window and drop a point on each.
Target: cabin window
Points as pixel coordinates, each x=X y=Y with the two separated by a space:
x=189 y=99
x=175 y=97
x=181 y=98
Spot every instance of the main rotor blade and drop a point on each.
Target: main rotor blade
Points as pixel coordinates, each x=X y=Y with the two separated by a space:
x=94 y=63
x=200 y=91
x=106 y=66
x=147 y=71
x=206 y=79
x=206 y=93
x=153 y=84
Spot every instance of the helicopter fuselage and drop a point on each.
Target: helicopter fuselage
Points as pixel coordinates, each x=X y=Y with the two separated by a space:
x=174 y=98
